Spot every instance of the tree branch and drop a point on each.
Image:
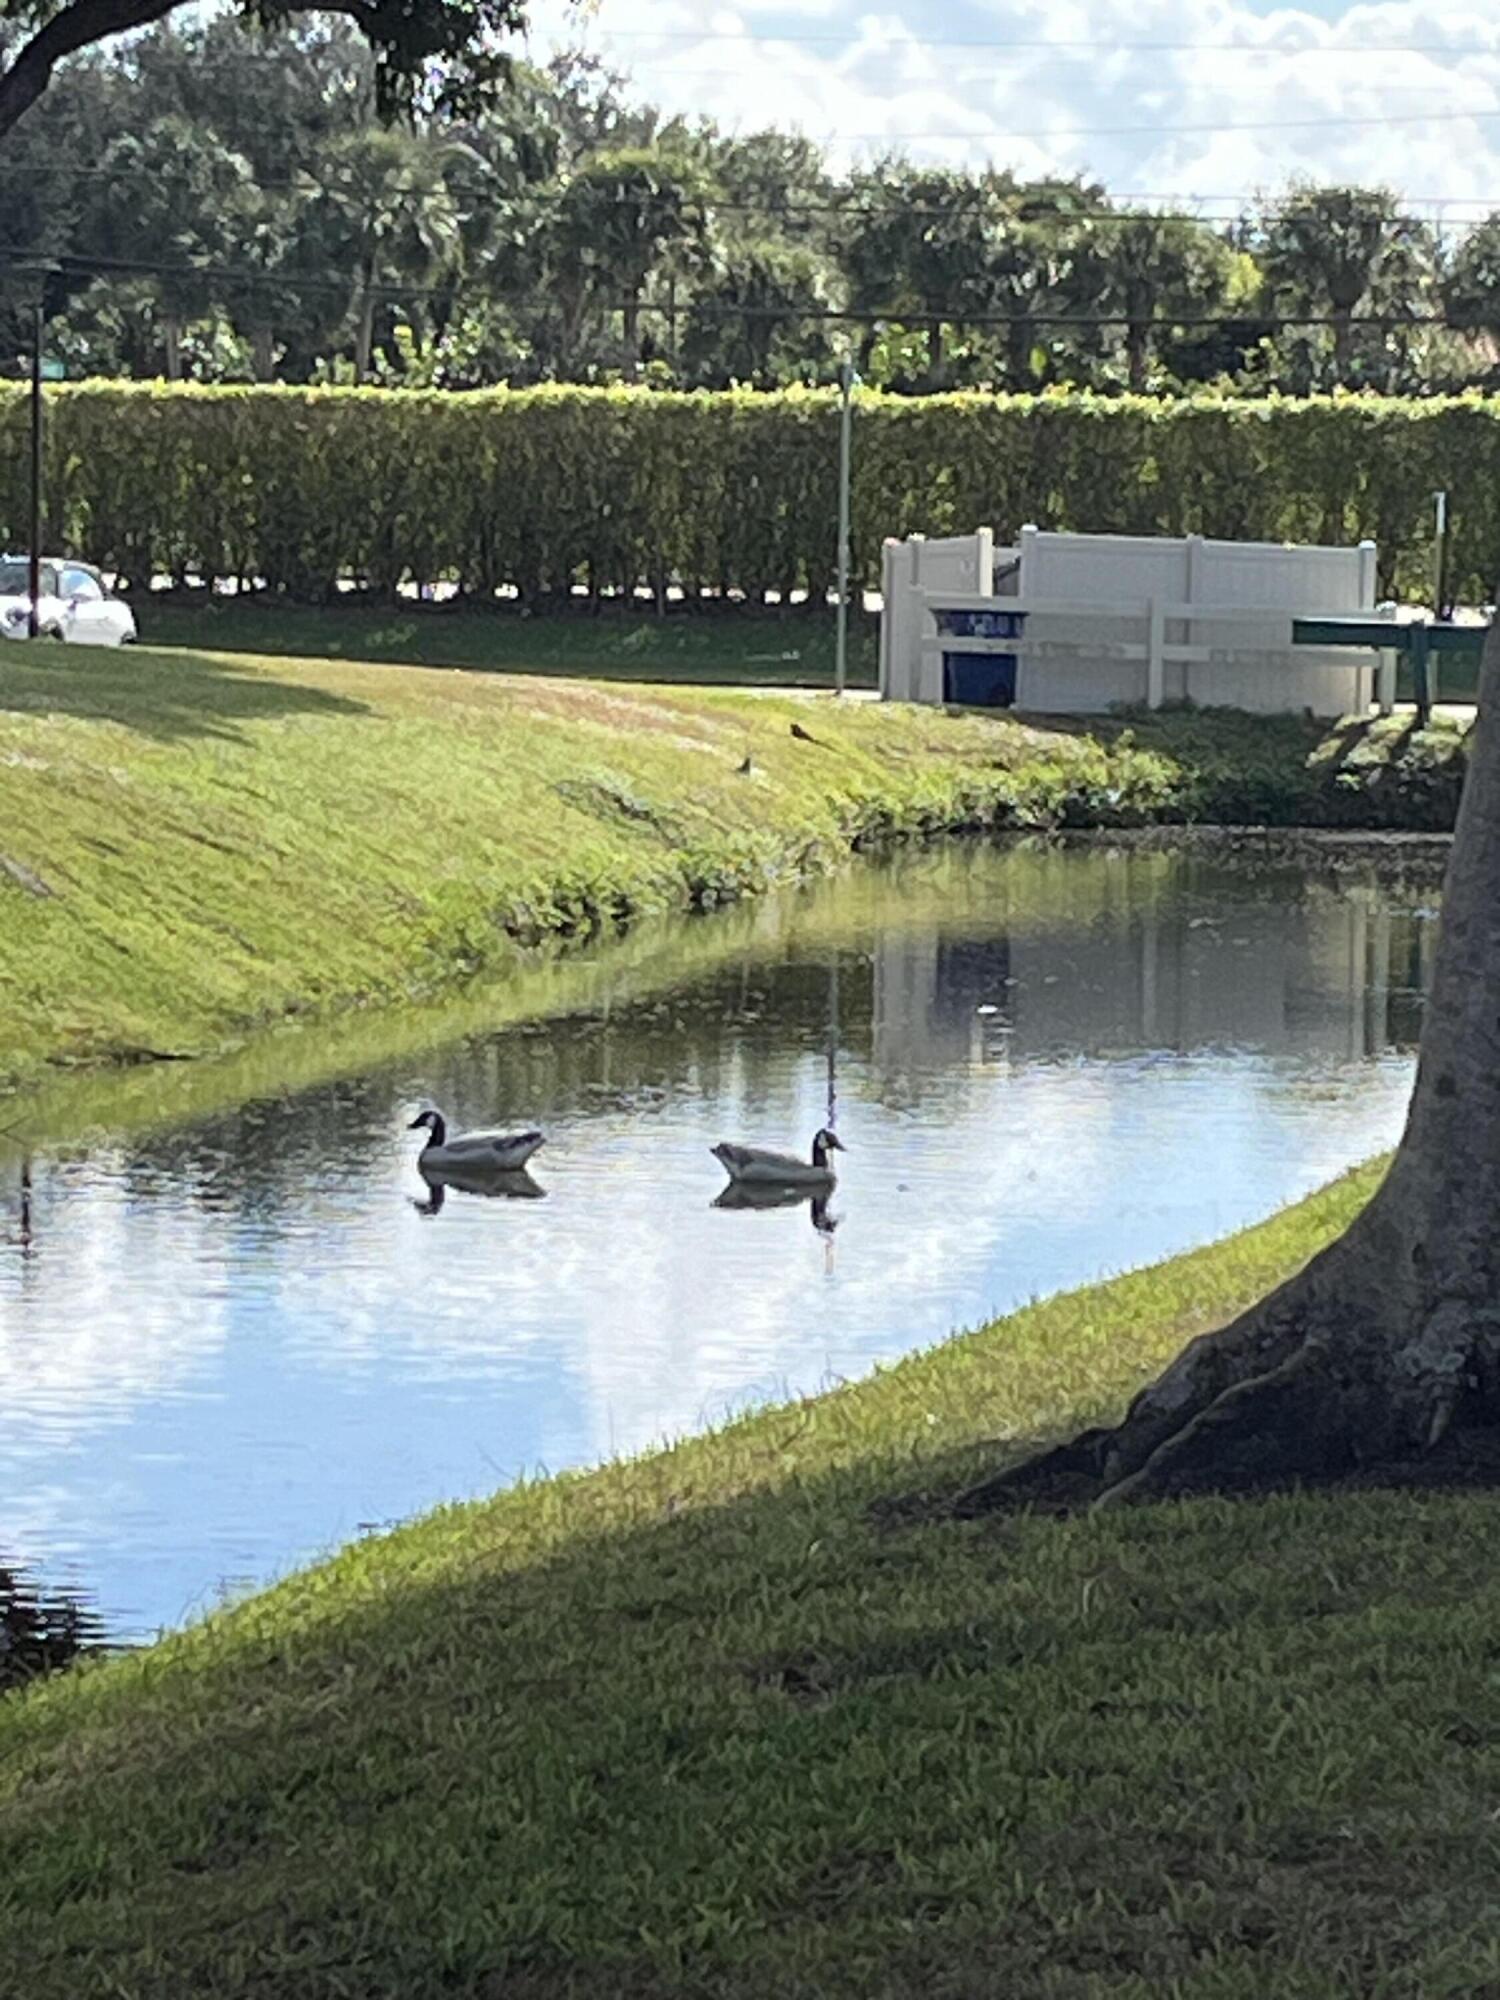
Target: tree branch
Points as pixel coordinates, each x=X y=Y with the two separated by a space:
x=77 y=27
x=84 y=22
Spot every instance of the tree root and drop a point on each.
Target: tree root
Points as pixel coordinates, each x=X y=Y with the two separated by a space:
x=1227 y=1407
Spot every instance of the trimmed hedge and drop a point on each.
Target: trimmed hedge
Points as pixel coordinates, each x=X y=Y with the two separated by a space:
x=543 y=488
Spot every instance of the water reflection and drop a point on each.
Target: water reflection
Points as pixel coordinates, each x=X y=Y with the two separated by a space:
x=223 y=1348
x=41 y=1630
x=750 y=1195
x=516 y=1186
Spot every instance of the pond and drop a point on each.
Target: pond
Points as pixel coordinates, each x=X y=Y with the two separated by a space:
x=228 y=1346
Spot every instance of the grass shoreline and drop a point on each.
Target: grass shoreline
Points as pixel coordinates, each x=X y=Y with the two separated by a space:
x=1209 y=1749
x=197 y=846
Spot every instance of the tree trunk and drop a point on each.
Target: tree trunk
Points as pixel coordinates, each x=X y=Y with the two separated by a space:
x=1137 y=353
x=364 y=332
x=171 y=335
x=935 y=363
x=631 y=317
x=1385 y=1350
x=1020 y=339
x=263 y=346
x=1343 y=349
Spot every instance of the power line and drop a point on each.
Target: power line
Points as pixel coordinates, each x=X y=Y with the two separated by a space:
x=1101 y=45
x=950 y=313
x=1014 y=205
x=355 y=56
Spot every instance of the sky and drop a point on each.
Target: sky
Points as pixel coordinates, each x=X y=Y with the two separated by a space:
x=1209 y=105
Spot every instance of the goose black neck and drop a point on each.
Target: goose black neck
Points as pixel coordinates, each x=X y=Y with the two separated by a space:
x=820 y=1151
x=438 y=1131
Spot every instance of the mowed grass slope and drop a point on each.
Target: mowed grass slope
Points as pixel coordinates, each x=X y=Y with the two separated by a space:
x=714 y=1724
x=727 y=648
x=194 y=844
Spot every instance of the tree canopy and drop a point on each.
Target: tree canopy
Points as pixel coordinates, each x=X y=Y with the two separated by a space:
x=438 y=54
x=304 y=201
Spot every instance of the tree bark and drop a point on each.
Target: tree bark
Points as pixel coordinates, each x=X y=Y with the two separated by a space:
x=263 y=345
x=1137 y=353
x=1386 y=1347
x=171 y=338
x=364 y=331
x=1343 y=348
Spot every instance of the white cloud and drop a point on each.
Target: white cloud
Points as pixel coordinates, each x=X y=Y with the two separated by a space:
x=1146 y=97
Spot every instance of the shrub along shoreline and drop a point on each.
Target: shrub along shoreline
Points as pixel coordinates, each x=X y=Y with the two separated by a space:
x=194 y=846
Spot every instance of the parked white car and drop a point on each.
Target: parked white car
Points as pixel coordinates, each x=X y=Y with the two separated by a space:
x=75 y=604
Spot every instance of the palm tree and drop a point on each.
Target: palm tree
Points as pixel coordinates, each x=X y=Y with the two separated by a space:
x=916 y=245
x=387 y=193
x=166 y=202
x=1349 y=253
x=616 y=222
x=1151 y=270
x=744 y=325
x=1471 y=284
x=1036 y=261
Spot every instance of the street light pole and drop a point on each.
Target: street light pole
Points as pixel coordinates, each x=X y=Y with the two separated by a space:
x=33 y=622
x=846 y=425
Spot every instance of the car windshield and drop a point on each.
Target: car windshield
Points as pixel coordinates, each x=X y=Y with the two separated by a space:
x=15 y=577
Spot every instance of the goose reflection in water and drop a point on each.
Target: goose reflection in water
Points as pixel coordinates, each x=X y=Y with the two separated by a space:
x=752 y=1194
x=518 y=1186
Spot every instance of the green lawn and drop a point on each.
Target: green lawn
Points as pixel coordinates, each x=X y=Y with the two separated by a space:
x=619 y=642
x=194 y=845
x=717 y=1723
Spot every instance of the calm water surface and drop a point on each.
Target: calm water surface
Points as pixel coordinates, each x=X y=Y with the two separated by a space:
x=225 y=1349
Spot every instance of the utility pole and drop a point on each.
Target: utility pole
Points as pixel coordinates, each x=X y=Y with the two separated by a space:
x=847 y=380
x=36 y=275
x=34 y=583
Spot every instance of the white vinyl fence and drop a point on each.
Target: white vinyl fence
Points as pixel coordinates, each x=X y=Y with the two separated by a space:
x=1079 y=624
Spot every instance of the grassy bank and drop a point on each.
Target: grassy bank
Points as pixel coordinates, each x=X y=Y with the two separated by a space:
x=621 y=642
x=714 y=1724
x=194 y=845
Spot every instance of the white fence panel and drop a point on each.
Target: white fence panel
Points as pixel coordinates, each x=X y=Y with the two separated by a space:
x=963 y=563
x=1125 y=628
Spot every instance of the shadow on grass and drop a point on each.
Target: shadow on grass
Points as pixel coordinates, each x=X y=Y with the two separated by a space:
x=188 y=695
x=754 y=648
x=767 y=1745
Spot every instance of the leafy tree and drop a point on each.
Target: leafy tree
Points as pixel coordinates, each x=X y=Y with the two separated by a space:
x=442 y=54
x=774 y=182
x=616 y=221
x=165 y=202
x=1346 y=252
x=916 y=246
x=386 y=211
x=1471 y=285
x=276 y=99
x=1036 y=263
x=744 y=325
x=1151 y=270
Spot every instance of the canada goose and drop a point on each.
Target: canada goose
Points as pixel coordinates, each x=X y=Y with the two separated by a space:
x=757 y=1164
x=471 y=1152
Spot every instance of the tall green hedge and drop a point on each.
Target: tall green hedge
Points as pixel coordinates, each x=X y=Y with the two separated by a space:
x=542 y=488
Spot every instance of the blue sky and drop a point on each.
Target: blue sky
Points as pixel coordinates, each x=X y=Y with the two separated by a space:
x=1216 y=102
